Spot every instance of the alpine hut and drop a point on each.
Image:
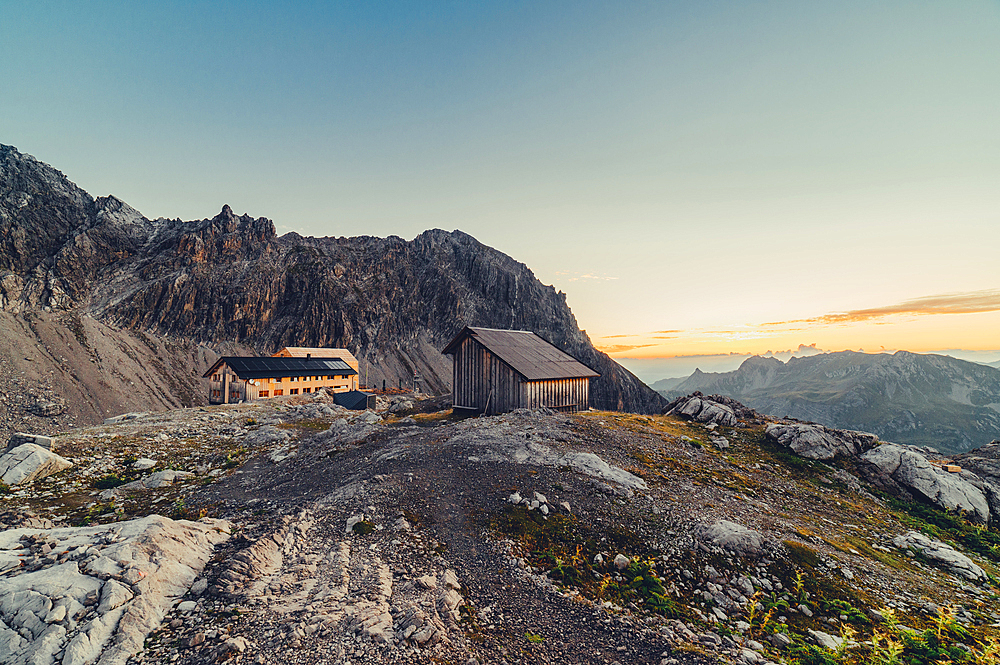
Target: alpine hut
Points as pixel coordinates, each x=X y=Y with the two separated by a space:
x=319 y=352
x=239 y=378
x=494 y=371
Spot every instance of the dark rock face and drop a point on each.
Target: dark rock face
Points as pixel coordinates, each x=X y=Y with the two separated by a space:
x=393 y=303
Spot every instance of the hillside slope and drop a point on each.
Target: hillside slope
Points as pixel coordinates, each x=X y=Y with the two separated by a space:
x=231 y=279
x=530 y=537
x=920 y=399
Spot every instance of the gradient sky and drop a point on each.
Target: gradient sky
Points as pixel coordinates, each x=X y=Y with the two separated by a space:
x=746 y=176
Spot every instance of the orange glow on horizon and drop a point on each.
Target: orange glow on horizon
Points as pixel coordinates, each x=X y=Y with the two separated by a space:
x=917 y=333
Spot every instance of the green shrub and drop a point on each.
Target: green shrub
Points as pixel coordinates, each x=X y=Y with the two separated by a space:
x=109 y=481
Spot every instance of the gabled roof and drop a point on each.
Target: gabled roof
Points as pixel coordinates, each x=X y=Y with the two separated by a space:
x=317 y=352
x=254 y=367
x=527 y=354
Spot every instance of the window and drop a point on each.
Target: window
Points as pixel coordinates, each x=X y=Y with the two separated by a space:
x=307 y=390
x=279 y=393
x=265 y=393
x=215 y=377
x=293 y=391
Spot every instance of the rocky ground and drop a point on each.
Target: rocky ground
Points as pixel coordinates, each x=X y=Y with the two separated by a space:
x=408 y=535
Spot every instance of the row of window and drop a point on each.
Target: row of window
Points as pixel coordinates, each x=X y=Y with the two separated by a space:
x=218 y=377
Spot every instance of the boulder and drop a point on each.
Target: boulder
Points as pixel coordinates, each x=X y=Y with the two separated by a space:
x=941 y=555
x=20 y=438
x=703 y=410
x=825 y=640
x=915 y=473
x=29 y=462
x=265 y=435
x=819 y=442
x=152 y=481
x=732 y=536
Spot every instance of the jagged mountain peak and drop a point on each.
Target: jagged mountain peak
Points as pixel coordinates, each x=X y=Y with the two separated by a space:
x=394 y=303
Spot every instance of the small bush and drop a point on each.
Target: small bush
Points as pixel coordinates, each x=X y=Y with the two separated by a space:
x=363 y=528
x=109 y=481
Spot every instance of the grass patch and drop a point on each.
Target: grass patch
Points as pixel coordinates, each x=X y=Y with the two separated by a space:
x=948 y=526
x=363 y=528
x=566 y=550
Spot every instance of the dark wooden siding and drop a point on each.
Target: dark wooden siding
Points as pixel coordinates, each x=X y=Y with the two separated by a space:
x=560 y=394
x=484 y=383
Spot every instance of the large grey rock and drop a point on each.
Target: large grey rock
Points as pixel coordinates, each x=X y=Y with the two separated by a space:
x=818 y=442
x=20 y=438
x=704 y=410
x=941 y=554
x=30 y=462
x=265 y=435
x=732 y=536
x=825 y=640
x=914 y=472
x=985 y=463
x=152 y=481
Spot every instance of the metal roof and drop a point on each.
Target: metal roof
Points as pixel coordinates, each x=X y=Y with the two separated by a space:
x=527 y=354
x=255 y=367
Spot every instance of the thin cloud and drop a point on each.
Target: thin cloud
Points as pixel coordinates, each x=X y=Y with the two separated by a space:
x=619 y=348
x=974 y=302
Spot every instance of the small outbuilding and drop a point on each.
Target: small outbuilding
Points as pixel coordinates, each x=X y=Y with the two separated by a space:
x=495 y=371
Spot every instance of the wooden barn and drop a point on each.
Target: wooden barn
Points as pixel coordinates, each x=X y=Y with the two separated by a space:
x=495 y=371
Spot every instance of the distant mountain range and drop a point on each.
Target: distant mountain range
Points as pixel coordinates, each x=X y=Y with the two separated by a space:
x=929 y=400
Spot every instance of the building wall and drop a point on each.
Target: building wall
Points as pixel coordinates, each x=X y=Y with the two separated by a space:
x=340 y=354
x=559 y=394
x=483 y=382
x=225 y=387
x=303 y=385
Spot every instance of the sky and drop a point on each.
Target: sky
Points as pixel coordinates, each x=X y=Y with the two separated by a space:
x=702 y=179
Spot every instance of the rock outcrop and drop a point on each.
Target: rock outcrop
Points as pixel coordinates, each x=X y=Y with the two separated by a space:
x=985 y=463
x=702 y=409
x=940 y=554
x=105 y=594
x=29 y=462
x=820 y=442
x=915 y=473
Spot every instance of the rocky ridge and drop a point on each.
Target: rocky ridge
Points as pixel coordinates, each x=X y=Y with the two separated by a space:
x=394 y=303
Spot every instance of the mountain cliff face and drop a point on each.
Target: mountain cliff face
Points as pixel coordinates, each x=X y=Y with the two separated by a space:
x=394 y=303
x=926 y=400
